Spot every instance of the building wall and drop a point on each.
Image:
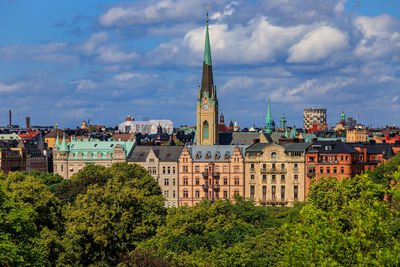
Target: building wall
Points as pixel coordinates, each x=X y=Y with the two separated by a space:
x=312 y=116
x=210 y=179
x=166 y=174
x=51 y=141
x=13 y=159
x=260 y=171
x=211 y=116
x=356 y=135
x=38 y=163
x=338 y=165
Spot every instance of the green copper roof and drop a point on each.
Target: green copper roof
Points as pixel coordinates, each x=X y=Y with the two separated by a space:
x=94 y=149
x=57 y=145
x=268 y=120
x=63 y=146
x=207 y=50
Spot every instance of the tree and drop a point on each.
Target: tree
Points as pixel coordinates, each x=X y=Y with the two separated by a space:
x=20 y=242
x=51 y=180
x=106 y=222
x=384 y=173
x=221 y=234
x=345 y=223
x=80 y=181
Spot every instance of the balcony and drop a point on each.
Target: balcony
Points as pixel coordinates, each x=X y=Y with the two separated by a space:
x=216 y=187
x=252 y=170
x=205 y=187
x=311 y=174
x=216 y=175
x=274 y=170
x=274 y=201
x=205 y=175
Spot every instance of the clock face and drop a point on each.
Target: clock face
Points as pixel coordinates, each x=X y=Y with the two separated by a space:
x=205 y=106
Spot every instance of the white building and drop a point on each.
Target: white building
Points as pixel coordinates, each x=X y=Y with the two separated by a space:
x=146 y=127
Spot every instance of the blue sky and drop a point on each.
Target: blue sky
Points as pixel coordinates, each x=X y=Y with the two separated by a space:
x=68 y=61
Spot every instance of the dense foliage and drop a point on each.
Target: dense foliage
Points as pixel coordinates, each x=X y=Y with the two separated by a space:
x=116 y=216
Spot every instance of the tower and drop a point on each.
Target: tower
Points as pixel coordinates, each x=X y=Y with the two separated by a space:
x=282 y=122
x=207 y=102
x=268 y=121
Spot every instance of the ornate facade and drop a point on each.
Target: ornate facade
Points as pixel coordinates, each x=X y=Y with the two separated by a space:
x=210 y=172
x=275 y=173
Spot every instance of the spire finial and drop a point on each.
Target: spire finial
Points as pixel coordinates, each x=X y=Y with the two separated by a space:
x=207 y=8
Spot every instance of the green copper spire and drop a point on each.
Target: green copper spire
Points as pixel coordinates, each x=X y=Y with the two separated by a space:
x=63 y=146
x=268 y=122
x=294 y=132
x=57 y=145
x=282 y=122
x=286 y=133
x=207 y=50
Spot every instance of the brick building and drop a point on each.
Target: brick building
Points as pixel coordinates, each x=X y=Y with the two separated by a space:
x=212 y=172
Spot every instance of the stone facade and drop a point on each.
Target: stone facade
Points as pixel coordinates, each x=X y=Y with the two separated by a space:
x=162 y=163
x=356 y=135
x=275 y=173
x=210 y=172
x=12 y=158
x=70 y=158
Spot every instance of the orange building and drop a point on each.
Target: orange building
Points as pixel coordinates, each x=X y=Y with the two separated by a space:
x=331 y=158
x=210 y=172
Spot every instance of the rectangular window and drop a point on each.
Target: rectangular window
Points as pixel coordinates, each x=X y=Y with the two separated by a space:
x=341 y=158
x=264 y=166
x=173 y=181
x=252 y=189
x=197 y=194
x=252 y=166
x=225 y=193
x=173 y=170
x=273 y=166
x=169 y=170
x=166 y=181
x=252 y=176
x=296 y=167
x=185 y=169
x=264 y=192
x=197 y=169
x=321 y=169
x=62 y=167
x=283 y=166
x=342 y=169
x=347 y=158
x=328 y=170
x=334 y=170
x=296 y=192
x=236 y=169
x=264 y=177
x=310 y=159
x=173 y=193
x=296 y=177
x=197 y=181
x=185 y=181
x=185 y=194
x=282 y=192
x=225 y=168
x=225 y=181
x=273 y=192
x=163 y=169
x=166 y=193
x=273 y=179
x=217 y=168
x=236 y=192
x=283 y=178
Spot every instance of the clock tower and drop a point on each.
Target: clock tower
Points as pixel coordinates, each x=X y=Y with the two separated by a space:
x=207 y=102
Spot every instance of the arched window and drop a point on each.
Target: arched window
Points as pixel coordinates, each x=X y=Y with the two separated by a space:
x=273 y=155
x=205 y=130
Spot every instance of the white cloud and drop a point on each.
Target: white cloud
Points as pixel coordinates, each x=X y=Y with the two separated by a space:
x=91 y=45
x=84 y=85
x=114 y=54
x=317 y=45
x=7 y=88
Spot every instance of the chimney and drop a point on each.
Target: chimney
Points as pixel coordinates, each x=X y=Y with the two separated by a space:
x=9 y=117
x=28 y=122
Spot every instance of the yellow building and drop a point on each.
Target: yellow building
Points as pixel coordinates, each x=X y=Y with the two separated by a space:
x=51 y=137
x=356 y=135
x=274 y=174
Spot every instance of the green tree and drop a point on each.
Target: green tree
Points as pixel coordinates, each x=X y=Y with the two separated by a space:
x=52 y=180
x=106 y=222
x=384 y=173
x=345 y=223
x=20 y=242
x=80 y=181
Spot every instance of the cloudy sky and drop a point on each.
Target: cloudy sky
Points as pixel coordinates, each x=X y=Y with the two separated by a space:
x=68 y=61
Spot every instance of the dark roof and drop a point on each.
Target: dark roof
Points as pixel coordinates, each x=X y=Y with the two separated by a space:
x=241 y=138
x=163 y=153
x=289 y=147
x=54 y=132
x=332 y=147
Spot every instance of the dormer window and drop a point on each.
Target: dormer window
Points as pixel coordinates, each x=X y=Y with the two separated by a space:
x=197 y=157
x=207 y=156
x=273 y=155
x=216 y=157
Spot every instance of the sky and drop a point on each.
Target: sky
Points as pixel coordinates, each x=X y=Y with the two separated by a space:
x=68 y=61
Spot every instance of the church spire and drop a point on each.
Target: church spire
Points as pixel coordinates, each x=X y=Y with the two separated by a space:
x=207 y=83
x=268 y=121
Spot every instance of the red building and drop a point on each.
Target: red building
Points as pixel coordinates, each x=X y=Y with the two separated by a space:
x=318 y=127
x=343 y=160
